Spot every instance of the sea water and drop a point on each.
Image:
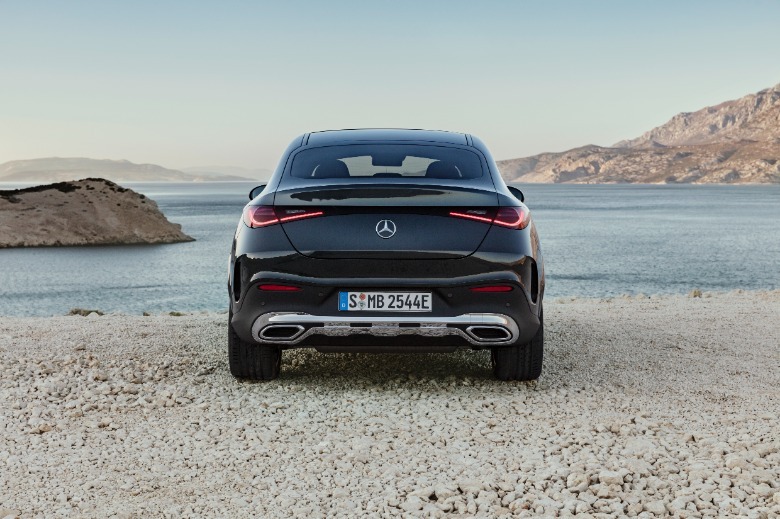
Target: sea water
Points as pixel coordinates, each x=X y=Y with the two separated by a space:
x=597 y=241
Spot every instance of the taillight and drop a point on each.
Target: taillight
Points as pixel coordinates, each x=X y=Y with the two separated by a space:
x=263 y=215
x=512 y=217
x=288 y=215
x=492 y=288
x=477 y=216
x=259 y=216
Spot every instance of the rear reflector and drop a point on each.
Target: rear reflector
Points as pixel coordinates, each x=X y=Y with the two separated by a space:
x=279 y=288
x=493 y=288
x=264 y=215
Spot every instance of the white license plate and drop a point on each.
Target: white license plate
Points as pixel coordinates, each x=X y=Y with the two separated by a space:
x=385 y=301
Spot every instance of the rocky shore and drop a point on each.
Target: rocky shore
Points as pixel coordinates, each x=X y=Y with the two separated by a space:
x=92 y=211
x=646 y=407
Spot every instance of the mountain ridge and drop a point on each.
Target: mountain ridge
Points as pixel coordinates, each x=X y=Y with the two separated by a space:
x=63 y=169
x=737 y=141
x=751 y=117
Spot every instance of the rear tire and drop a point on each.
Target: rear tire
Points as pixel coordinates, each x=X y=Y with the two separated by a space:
x=250 y=360
x=520 y=361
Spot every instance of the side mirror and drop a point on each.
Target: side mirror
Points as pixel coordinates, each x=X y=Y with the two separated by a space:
x=256 y=191
x=517 y=193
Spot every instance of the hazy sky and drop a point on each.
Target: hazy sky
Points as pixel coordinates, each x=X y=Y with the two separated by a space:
x=231 y=83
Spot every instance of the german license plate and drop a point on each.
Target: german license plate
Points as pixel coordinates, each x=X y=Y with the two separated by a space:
x=385 y=301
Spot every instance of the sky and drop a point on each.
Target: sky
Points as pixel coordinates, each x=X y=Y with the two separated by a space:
x=189 y=83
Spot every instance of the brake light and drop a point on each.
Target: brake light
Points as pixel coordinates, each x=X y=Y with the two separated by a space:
x=288 y=215
x=263 y=215
x=470 y=216
x=279 y=288
x=259 y=216
x=493 y=288
x=511 y=217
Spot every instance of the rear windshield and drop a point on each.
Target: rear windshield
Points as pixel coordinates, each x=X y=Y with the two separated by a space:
x=367 y=161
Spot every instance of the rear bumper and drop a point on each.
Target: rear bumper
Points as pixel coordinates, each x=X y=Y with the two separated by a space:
x=294 y=328
x=506 y=259
x=460 y=317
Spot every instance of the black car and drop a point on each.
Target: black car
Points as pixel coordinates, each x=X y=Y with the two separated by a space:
x=386 y=241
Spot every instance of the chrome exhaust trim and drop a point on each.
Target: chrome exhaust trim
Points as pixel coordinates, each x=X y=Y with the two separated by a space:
x=489 y=333
x=281 y=332
x=496 y=329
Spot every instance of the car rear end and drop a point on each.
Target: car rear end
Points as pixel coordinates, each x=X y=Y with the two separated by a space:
x=385 y=246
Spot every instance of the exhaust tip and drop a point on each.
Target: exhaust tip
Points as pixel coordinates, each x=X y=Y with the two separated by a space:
x=281 y=332
x=489 y=333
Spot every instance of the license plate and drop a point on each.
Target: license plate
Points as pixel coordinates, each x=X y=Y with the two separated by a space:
x=385 y=301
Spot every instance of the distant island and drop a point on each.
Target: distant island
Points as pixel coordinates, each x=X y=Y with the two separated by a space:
x=56 y=169
x=734 y=142
x=92 y=211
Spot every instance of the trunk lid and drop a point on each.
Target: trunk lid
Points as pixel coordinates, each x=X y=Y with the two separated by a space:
x=385 y=221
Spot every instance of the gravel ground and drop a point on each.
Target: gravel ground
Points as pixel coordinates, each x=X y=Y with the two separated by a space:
x=646 y=406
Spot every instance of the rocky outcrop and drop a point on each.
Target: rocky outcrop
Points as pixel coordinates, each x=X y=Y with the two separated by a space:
x=93 y=211
x=734 y=142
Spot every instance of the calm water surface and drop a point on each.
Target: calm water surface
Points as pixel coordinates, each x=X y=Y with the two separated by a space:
x=597 y=241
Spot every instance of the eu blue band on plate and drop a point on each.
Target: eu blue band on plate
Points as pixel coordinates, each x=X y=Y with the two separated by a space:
x=342 y=300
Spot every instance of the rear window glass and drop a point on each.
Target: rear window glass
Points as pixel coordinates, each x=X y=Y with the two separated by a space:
x=367 y=161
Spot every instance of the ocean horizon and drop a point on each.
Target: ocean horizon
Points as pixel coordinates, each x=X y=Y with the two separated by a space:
x=598 y=240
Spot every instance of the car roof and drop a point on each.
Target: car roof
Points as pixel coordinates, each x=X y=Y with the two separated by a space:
x=331 y=137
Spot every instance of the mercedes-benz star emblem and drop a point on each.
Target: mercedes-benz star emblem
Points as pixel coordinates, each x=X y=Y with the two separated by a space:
x=385 y=229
